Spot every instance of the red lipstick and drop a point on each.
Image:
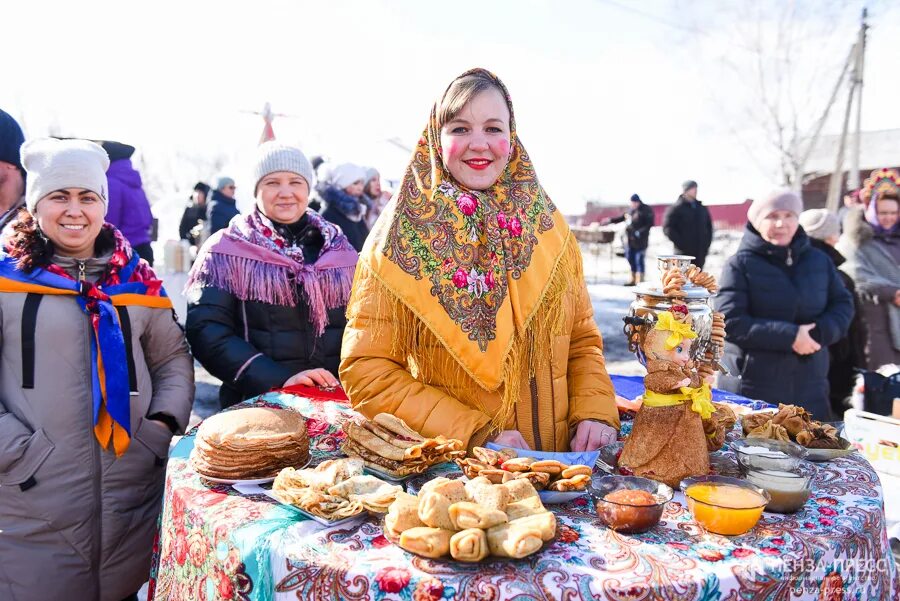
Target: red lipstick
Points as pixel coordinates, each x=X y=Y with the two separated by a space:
x=478 y=164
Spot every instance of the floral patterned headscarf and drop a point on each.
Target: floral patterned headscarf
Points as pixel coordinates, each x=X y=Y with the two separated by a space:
x=473 y=265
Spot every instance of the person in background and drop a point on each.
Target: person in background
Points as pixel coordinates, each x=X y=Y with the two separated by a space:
x=784 y=304
x=315 y=201
x=266 y=296
x=222 y=206
x=12 y=174
x=851 y=199
x=847 y=354
x=470 y=316
x=193 y=220
x=640 y=220
x=871 y=243
x=372 y=197
x=342 y=196
x=129 y=209
x=688 y=225
x=96 y=378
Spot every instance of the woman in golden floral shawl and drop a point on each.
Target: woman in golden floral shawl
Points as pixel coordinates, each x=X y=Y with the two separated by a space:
x=469 y=315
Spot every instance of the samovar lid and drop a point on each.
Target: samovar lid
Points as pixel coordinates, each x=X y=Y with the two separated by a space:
x=655 y=290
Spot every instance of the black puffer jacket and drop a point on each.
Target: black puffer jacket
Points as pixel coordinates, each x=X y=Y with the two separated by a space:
x=638 y=230
x=848 y=354
x=689 y=226
x=767 y=292
x=253 y=346
x=347 y=213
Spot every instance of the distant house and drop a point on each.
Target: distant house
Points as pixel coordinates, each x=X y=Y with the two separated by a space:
x=877 y=149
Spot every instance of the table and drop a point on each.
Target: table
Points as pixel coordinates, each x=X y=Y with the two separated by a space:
x=217 y=544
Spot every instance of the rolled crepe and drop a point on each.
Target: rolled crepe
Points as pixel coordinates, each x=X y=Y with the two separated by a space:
x=471 y=515
x=525 y=507
x=428 y=542
x=517 y=542
x=434 y=510
x=491 y=496
x=402 y=515
x=469 y=545
x=545 y=522
x=519 y=489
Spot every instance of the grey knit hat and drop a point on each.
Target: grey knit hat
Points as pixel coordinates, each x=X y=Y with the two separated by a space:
x=820 y=224
x=223 y=181
x=779 y=200
x=275 y=156
x=53 y=164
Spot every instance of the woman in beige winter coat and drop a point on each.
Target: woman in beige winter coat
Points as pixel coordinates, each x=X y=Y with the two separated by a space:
x=95 y=377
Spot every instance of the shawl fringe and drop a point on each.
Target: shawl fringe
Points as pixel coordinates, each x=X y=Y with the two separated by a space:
x=428 y=355
x=253 y=280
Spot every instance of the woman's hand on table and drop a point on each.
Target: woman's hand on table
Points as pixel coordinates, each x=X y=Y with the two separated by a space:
x=510 y=438
x=803 y=343
x=313 y=377
x=591 y=435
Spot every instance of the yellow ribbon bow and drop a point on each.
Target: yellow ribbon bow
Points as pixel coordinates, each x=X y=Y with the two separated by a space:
x=701 y=400
x=679 y=331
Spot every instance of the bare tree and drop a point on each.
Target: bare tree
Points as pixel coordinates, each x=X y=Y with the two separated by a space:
x=784 y=59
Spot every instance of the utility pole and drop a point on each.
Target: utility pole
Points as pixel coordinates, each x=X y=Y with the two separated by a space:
x=853 y=179
x=836 y=181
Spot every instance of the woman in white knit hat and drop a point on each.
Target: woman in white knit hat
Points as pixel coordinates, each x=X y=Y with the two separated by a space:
x=342 y=194
x=266 y=296
x=96 y=377
x=784 y=304
x=847 y=354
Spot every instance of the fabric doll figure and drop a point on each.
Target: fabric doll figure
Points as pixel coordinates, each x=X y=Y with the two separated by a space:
x=668 y=442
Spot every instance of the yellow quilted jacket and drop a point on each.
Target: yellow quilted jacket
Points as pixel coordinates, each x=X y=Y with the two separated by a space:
x=391 y=363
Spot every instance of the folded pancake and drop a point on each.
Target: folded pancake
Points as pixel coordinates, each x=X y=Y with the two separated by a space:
x=454 y=490
x=428 y=542
x=507 y=540
x=402 y=515
x=519 y=489
x=374 y=494
x=469 y=545
x=545 y=522
x=525 y=507
x=434 y=510
x=490 y=496
x=398 y=428
x=373 y=443
x=431 y=484
x=397 y=469
x=471 y=515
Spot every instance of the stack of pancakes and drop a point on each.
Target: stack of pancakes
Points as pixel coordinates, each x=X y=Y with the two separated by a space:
x=255 y=442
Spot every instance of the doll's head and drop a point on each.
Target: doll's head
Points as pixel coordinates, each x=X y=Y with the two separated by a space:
x=671 y=338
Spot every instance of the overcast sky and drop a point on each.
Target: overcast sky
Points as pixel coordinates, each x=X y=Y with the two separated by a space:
x=612 y=97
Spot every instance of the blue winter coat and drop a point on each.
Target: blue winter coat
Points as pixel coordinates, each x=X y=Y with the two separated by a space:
x=219 y=211
x=767 y=292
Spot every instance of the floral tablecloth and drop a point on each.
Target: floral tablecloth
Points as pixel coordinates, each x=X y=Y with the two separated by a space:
x=217 y=544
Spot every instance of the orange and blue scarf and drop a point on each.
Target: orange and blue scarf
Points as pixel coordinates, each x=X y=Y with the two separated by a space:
x=129 y=281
